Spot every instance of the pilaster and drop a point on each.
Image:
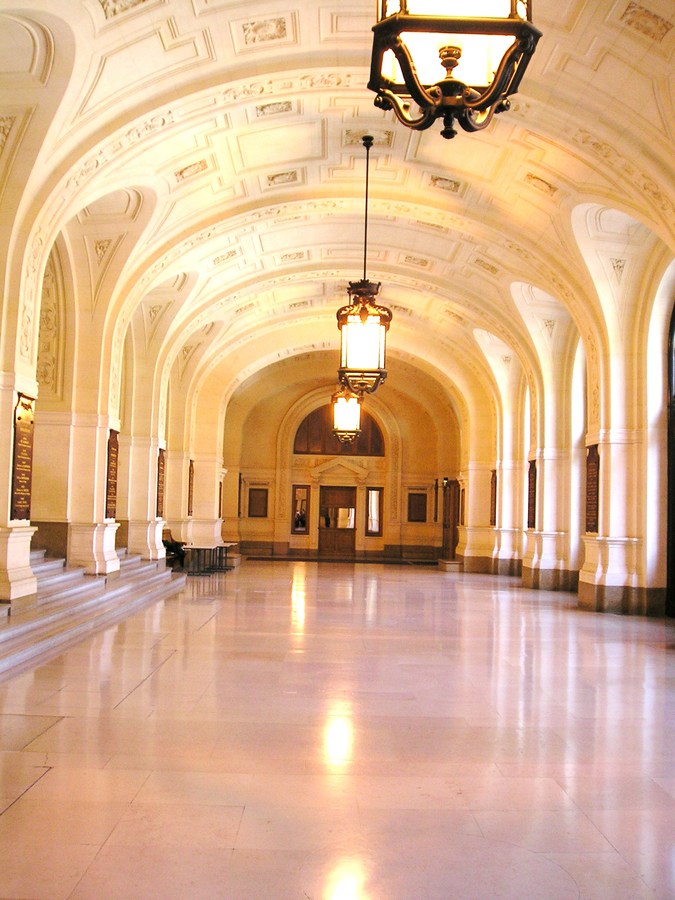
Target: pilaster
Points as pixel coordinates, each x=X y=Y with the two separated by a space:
x=93 y=547
x=609 y=580
x=475 y=548
x=544 y=565
x=18 y=585
x=145 y=538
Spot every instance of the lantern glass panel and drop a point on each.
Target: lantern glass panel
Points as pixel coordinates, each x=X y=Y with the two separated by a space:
x=481 y=55
x=464 y=9
x=347 y=413
x=363 y=343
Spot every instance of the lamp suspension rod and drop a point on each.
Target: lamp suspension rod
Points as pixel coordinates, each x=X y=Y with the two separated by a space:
x=367 y=143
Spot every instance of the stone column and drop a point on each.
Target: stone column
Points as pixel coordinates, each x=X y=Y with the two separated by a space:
x=18 y=585
x=476 y=537
x=91 y=537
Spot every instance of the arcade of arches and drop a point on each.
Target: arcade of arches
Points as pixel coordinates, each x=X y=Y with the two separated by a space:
x=181 y=202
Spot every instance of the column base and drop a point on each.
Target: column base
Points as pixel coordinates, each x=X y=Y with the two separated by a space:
x=450 y=565
x=145 y=538
x=549 y=579
x=93 y=548
x=18 y=584
x=622 y=600
x=476 y=565
x=508 y=567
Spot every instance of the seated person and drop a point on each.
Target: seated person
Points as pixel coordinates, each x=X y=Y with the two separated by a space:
x=175 y=548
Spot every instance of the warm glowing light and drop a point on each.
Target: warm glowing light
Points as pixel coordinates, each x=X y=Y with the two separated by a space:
x=363 y=342
x=479 y=60
x=298 y=600
x=346 y=413
x=338 y=741
x=455 y=60
x=346 y=881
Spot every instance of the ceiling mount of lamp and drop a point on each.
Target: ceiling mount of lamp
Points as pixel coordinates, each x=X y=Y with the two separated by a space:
x=363 y=324
x=483 y=45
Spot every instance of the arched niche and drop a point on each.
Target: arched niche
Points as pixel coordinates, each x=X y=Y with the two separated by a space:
x=315 y=436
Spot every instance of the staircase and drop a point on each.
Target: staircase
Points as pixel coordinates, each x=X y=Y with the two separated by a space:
x=71 y=605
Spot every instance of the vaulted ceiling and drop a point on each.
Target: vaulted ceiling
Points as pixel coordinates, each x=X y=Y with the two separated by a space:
x=201 y=161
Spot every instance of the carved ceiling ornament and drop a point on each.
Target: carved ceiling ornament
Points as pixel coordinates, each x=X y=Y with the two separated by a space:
x=646 y=22
x=274 y=108
x=283 y=178
x=445 y=184
x=101 y=248
x=27 y=336
x=488 y=267
x=193 y=169
x=381 y=137
x=263 y=30
x=628 y=173
x=6 y=125
x=540 y=184
x=112 y=8
x=618 y=265
x=48 y=339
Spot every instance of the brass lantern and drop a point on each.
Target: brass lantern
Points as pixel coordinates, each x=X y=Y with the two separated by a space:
x=346 y=415
x=363 y=328
x=363 y=324
x=483 y=45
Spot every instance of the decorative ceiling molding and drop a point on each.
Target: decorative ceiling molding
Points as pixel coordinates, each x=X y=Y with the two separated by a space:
x=112 y=8
x=6 y=125
x=646 y=22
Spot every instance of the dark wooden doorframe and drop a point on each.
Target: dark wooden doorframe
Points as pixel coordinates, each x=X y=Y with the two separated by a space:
x=450 y=518
x=670 y=537
x=334 y=541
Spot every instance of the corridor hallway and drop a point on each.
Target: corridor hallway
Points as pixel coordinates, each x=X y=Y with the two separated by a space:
x=334 y=731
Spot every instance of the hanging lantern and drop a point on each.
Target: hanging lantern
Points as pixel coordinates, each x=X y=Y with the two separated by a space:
x=363 y=324
x=483 y=45
x=363 y=333
x=346 y=415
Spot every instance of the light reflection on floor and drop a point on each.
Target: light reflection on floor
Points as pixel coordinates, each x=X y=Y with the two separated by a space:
x=296 y=730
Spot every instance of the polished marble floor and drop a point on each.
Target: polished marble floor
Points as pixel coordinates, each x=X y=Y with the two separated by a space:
x=332 y=732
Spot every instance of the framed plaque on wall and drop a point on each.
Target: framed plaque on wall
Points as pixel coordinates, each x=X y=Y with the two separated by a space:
x=161 y=463
x=532 y=494
x=592 y=488
x=22 y=462
x=111 y=475
x=191 y=487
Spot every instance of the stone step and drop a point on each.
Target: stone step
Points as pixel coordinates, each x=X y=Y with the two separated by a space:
x=46 y=566
x=44 y=631
x=61 y=578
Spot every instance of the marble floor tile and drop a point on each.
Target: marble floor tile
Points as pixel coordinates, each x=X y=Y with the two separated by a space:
x=48 y=870
x=301 y=730
x=64 y=821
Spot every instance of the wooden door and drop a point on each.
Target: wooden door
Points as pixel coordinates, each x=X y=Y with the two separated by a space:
x=337 y=521
x=450 y=519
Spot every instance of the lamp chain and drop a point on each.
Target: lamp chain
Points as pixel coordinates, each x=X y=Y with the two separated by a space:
x=367 y=143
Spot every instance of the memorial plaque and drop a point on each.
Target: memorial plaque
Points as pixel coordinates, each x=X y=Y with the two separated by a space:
x=592 y=488
x=111 y=475
x=160 y=483
x=22 y=463
x=532 y=495
x=191 y=487
x=493 y=498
